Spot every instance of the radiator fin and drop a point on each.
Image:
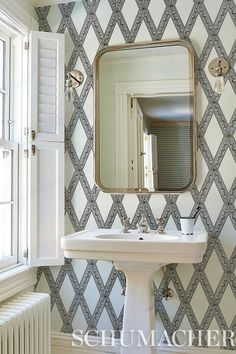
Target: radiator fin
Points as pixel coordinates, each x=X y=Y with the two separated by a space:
x=25 y=325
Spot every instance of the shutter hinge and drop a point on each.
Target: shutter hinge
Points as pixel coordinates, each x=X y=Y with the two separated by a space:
x=33 y=134
x=26 y=45
x=33 y=149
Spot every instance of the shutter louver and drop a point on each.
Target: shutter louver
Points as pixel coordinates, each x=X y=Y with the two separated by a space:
x=47 y=77
x=47 y=86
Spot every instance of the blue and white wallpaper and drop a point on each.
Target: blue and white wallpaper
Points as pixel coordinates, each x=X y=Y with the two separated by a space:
x=88 y=294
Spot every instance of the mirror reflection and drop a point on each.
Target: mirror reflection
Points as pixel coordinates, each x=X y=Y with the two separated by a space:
x=144 y=118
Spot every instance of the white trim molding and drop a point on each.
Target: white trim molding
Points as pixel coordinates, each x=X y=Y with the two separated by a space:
x=21 y=12
x=61 y=343
x=16 y=280
x=153 y=88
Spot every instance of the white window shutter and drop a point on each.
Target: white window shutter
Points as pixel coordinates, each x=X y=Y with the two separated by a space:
x=46 y=219
x=46 y=149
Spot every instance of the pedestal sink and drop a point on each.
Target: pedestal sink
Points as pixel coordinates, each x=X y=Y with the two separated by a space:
x=138 y=256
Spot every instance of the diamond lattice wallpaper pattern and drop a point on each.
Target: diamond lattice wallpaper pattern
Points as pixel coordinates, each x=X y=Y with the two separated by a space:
x=87 y=294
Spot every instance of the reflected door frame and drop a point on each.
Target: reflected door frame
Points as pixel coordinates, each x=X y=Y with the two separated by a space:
x=128 y=167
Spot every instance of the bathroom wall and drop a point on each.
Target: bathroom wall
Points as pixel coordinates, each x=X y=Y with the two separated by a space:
x=87 y=295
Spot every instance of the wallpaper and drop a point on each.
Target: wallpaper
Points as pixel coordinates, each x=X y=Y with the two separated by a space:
x=88 y=294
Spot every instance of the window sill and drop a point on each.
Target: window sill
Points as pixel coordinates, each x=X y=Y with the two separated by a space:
x=15 y=280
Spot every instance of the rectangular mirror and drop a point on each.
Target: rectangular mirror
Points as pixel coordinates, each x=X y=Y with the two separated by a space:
x=144 y=118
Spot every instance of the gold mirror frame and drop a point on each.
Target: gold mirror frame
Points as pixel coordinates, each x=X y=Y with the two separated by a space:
x=151 y=44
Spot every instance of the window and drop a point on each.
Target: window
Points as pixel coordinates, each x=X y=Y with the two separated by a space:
x=31 y=154
x=8 y=164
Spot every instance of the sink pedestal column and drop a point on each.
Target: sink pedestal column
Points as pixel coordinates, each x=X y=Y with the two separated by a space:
x=139 y=312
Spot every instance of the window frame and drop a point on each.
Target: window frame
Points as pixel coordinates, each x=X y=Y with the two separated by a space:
x=23 y=112
x=9 y=261
x=8 y=142
x=6 y=89
x=19 y=276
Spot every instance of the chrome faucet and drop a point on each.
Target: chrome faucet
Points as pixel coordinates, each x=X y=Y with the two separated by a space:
x=125 y=224
x=161 y=226
x=143 y=225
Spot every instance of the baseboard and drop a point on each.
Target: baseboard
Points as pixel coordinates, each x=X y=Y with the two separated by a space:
x=62 y=343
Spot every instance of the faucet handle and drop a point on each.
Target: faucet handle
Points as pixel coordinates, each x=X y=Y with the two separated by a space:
x=125 y=224
x=125 y=219
x=161 y=225
x=143 y=224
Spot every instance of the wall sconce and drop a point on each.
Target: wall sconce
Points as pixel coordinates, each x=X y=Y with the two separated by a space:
x=74 y=79
x=219 y=67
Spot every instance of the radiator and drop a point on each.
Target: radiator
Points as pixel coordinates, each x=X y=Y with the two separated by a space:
x=25 y=325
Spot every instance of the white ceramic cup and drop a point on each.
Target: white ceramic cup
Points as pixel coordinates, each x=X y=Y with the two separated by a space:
x=187 y=225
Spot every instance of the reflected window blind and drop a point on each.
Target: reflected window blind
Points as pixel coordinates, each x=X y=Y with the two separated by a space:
x=173 y=156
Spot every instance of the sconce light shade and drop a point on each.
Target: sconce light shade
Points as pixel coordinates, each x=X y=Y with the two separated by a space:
x=219 y=85
x=74 y=79
x=69 y=93
x=219 y=67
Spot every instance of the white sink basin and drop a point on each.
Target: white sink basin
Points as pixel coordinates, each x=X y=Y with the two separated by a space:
x=138 y=256
x=137 y=237
x=111 y=244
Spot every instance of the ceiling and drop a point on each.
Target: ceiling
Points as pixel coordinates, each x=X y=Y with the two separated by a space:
x=166 y=108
